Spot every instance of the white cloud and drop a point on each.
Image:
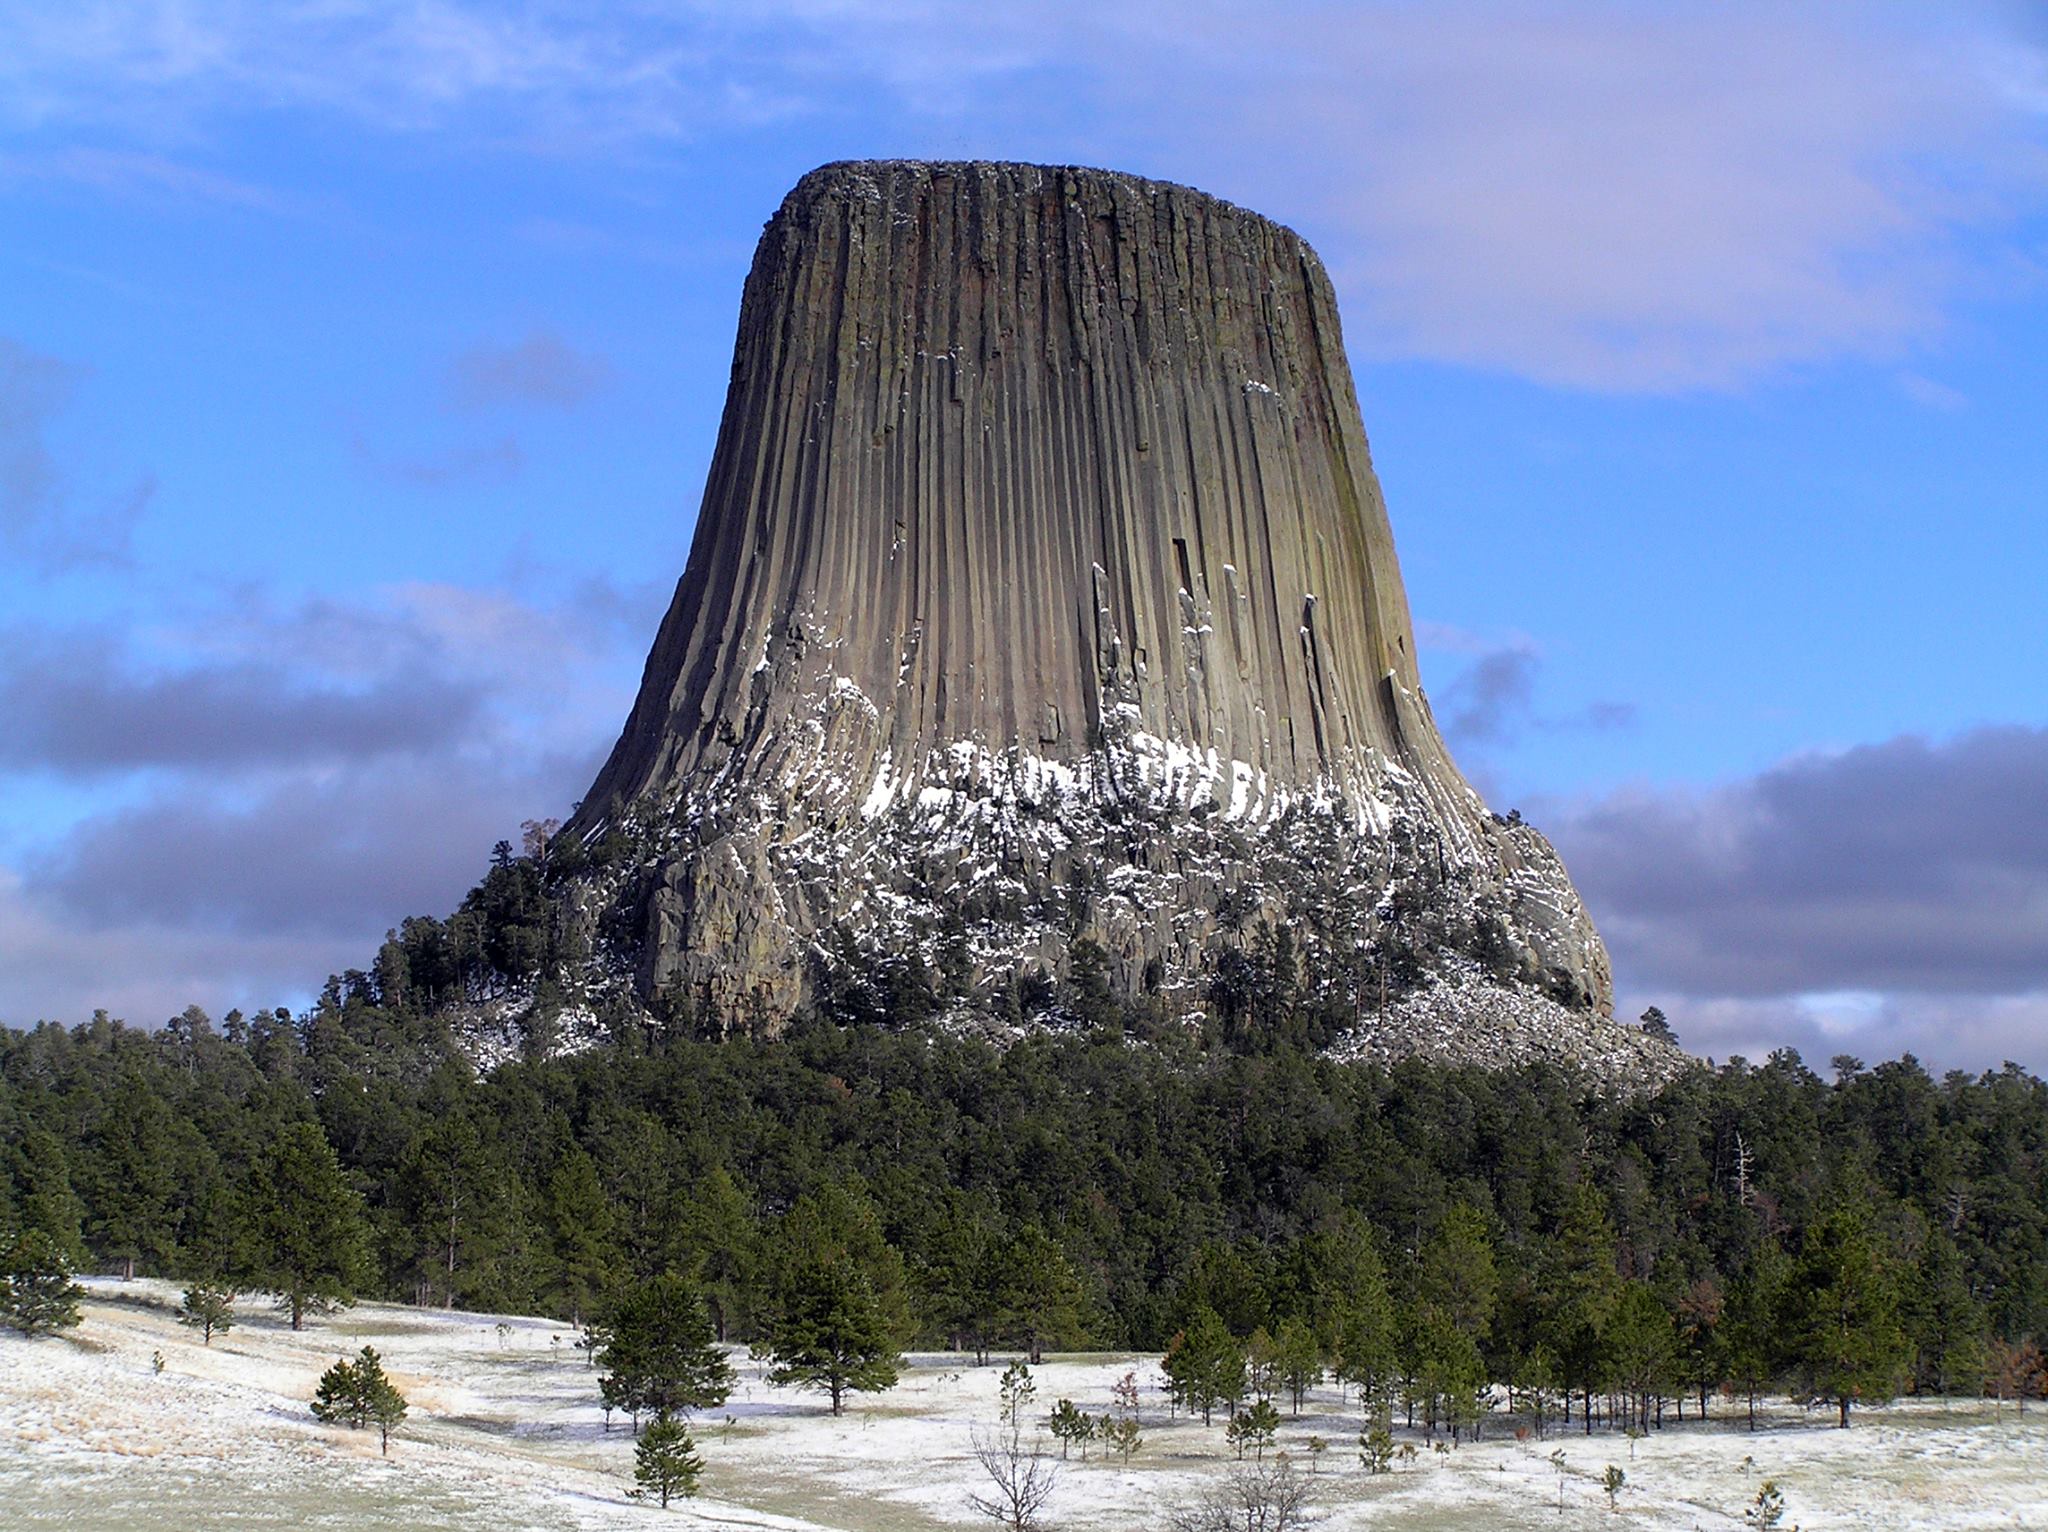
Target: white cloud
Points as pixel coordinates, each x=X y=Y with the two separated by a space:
x=1617 y=197
x=1944 y=1032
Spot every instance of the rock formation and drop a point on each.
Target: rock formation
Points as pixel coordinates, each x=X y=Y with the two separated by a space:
x=1043 y=595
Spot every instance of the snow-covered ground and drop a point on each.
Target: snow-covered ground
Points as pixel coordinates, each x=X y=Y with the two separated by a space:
x=505 y=1433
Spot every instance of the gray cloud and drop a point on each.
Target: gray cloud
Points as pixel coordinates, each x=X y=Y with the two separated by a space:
x=540 y=370
x=56 y=968
x=312 y=856
x=79 y=704
x=1492 y=700
x=1908 y=867
x=293 y=780
x=38 y=520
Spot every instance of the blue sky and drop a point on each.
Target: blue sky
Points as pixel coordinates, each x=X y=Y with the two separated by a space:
x=359 y=364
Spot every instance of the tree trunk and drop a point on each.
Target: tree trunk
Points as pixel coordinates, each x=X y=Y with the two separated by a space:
x=1845 y=1411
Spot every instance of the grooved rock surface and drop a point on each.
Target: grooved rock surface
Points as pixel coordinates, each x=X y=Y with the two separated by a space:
x=1043 y=591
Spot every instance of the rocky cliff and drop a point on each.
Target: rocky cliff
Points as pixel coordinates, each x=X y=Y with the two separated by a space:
x=1043 y=601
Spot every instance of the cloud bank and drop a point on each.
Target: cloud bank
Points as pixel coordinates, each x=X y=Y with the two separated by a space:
x=275 y=786
x=1888 y=896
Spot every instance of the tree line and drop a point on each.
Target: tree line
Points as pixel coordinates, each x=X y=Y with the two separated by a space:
x=1424 y=1233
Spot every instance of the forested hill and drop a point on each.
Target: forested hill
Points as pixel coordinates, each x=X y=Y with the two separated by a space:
x=1082 y=1187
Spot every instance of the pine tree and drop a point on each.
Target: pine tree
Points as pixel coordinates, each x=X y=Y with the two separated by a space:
x=1366 y=1351
x=209 y=1308
x=661 y=1354
x=451 y=1196
x=1842 y=1315
x=1297 y=1360
x=1702 y=1339
x=1455 y=1272
x=665 y=1461
x=310 y=1235
x=1040 y=1298
x=580 y=1228
x=1946 y=1321
x=1579 y=1286
x=131 y=1191
x=719 y=1241
x=1121 y=1431
x=1205 y=1364
x=48 y=1202
x=1253 y=1427
x=386 y=1404
x=37 y=1295
x=838 y=1223
x=1069 y=1424
x=358 y=1394
x=1448 y=1370
x=1754 y=1323
x=1640 y=1344
x=830 y=1333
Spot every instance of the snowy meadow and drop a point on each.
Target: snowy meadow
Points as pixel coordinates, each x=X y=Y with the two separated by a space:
x=131 y=1422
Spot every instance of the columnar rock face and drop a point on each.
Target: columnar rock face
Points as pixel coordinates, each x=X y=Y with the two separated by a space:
x=1043 y=593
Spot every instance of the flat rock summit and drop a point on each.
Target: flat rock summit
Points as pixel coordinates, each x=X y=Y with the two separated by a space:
x=1043 y=626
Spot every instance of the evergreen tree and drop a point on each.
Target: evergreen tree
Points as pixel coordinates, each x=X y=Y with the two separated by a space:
x=310 y=1238
x=1448 y=1370
x=47 y=1200
x=661 y=1354
x=665 y=1460
x=1640 y=1345
x=1842 y=1315
x=720 y=1243
x=209 y=1307
x=1040 y=1298
x=358 y=1394
x=830 y=1333
x=838 y=1223
x=1367 y=1356
x=959 y=1278
x=132 y=1189
x=1069 y=1424
x=1454 y=1272
x=37 y=1295
x=1253 y=1428
x=580 y=1229
x=1702 y=1340
x=1754 y=1324
x=1946 y=1322
x=451 y=1198
x=1205 y=1365
x=1579 y=1287
x=1298 y=1360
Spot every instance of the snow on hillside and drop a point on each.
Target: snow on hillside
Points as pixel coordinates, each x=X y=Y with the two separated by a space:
x=505 y=1432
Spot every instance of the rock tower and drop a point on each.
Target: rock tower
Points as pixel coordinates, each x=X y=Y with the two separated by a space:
x=1043 y=603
